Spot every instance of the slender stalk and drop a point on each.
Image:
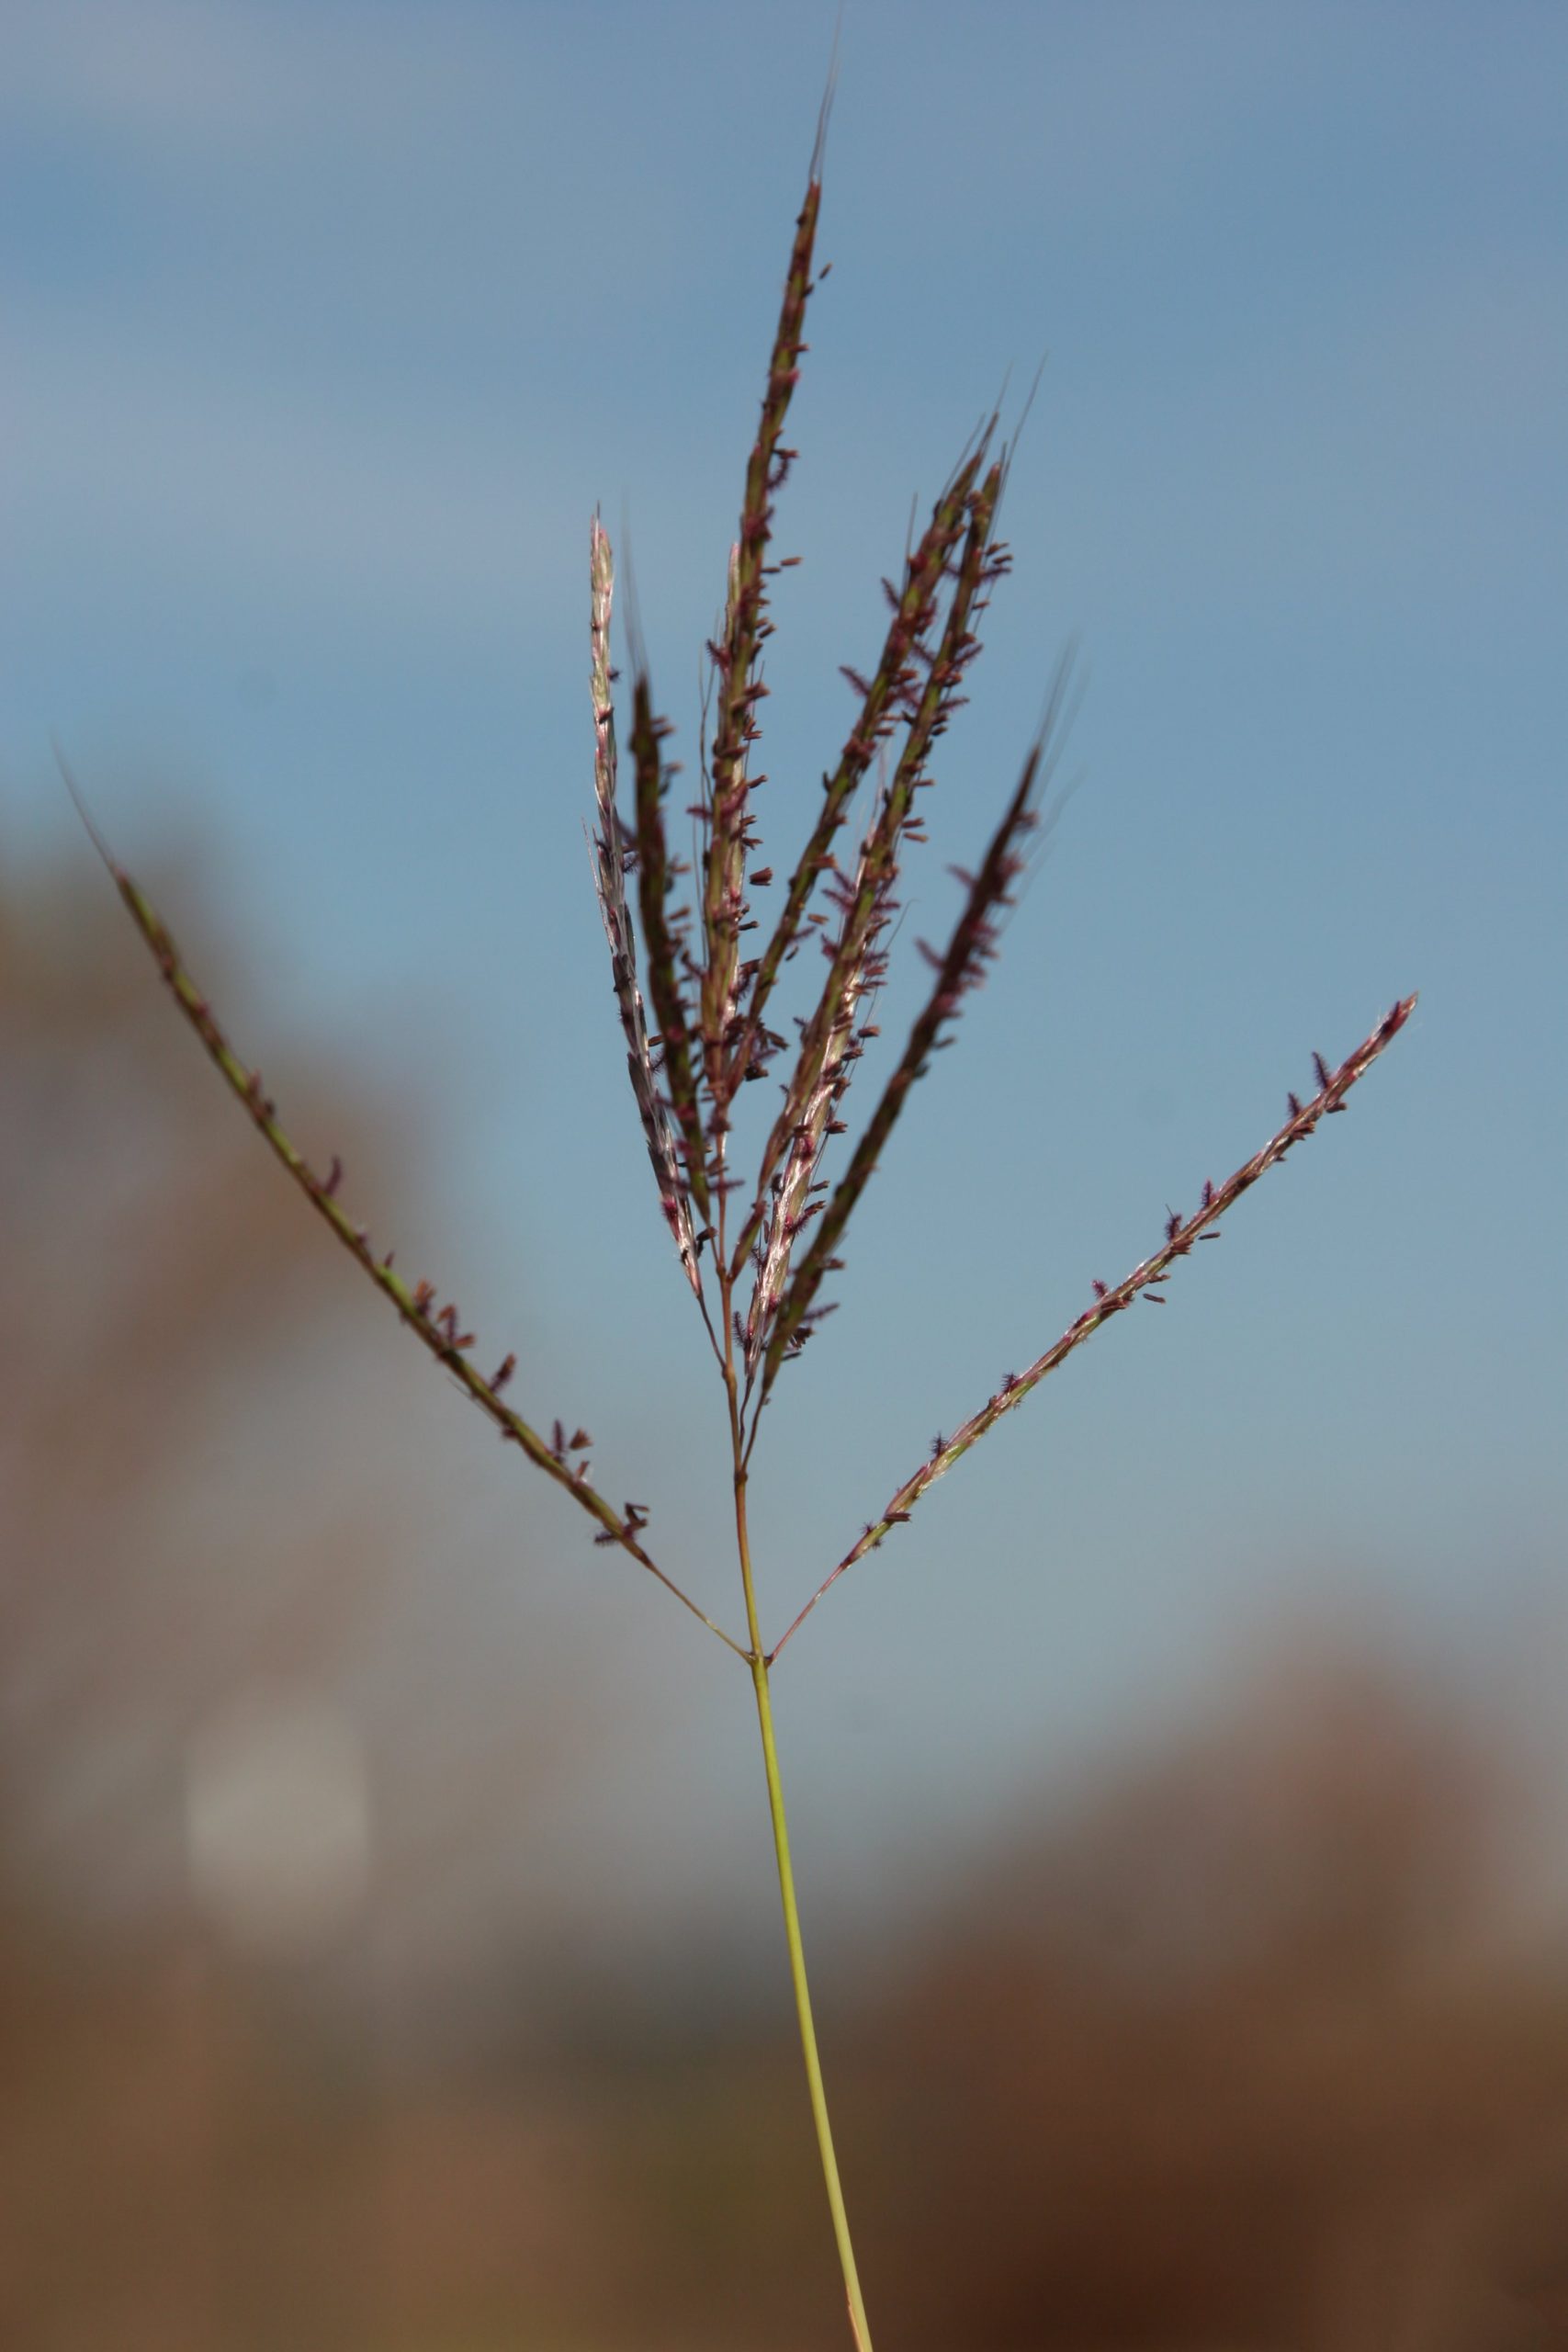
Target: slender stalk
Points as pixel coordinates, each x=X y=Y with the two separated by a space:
x=858 y=2323
x=859 y=2326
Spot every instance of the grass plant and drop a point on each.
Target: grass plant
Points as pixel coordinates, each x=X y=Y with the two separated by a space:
x=696 y=1009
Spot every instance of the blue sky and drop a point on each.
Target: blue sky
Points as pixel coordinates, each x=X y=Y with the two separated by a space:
x=328 y=327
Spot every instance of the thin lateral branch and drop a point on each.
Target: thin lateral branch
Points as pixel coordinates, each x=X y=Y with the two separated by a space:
x=736 y=656
x=881 y=699
x=610 y=881
x=659 y=945
x=1180 y=1237
x=437 y=1329
x=972 y=946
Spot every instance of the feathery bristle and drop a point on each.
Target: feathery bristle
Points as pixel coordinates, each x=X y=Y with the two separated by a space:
x=610 y=883
x=654 y=875
x=959 y=970
x=739 y=686
x=885 y=697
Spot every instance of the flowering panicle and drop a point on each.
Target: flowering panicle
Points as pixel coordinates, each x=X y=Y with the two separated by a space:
x=697 y=1020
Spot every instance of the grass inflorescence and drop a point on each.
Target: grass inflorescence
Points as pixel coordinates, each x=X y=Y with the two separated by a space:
x=697 y=1015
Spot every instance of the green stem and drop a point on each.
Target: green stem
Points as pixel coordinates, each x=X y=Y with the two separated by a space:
x=859 y=2326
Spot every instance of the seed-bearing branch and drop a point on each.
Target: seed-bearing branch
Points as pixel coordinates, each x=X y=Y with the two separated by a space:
x=439 y=1329
x=1143 y=1280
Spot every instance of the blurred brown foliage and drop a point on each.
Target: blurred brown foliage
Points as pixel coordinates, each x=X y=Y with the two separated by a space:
x=1248 y=2053
x=1236 y=2049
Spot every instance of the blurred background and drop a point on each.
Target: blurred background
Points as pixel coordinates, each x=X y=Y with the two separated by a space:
x=388 y=1952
